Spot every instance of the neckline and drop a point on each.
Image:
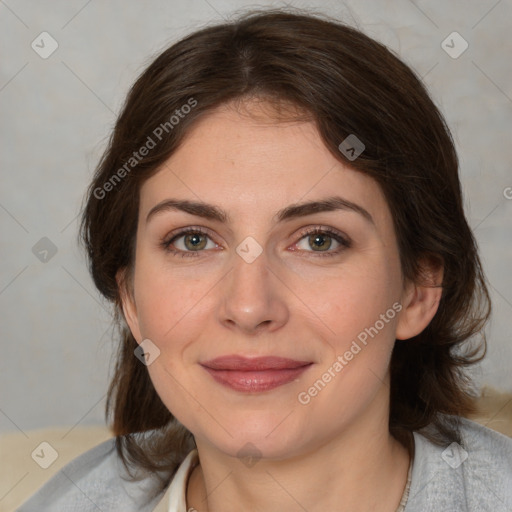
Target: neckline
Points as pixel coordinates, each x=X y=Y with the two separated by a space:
x=177 y=490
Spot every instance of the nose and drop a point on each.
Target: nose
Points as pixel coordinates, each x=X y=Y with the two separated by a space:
x=253 y=297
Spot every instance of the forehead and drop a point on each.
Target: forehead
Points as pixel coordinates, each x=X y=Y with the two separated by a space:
x=249 y=163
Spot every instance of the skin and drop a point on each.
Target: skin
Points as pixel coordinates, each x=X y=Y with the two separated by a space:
x=335 y=453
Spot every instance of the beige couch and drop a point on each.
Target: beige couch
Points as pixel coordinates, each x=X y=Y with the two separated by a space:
x=21 y=475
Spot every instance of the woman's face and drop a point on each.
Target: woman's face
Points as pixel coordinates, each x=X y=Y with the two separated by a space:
x=256 y=281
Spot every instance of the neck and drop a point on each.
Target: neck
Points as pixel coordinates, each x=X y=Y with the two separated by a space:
x=362 y=468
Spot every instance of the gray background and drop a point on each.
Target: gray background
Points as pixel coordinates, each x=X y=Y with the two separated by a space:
x=57 y=113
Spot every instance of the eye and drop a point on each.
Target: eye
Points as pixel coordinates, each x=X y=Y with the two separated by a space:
x=321 y=240
x=190 y=242
x=193 y=241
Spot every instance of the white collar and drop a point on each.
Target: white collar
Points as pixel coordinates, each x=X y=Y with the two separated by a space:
x=175 y=498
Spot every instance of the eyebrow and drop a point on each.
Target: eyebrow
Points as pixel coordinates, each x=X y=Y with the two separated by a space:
x=293 y=211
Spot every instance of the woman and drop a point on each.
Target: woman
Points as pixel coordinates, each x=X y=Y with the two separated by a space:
x=278 y=221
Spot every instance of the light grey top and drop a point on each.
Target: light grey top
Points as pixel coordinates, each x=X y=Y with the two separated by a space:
x=474 y=478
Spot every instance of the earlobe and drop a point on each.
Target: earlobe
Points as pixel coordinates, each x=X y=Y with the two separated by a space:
x=128 y=304
x=420 y=302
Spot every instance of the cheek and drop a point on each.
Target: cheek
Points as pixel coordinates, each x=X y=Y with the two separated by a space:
x=361 y=315
x=351 y=298
x=166 y=298
x=172 y=315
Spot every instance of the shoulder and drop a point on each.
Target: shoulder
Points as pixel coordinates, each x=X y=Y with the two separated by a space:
x=475 y=475
x=95 y=480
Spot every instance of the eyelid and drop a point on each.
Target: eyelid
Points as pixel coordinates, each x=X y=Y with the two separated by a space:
x=188 y=229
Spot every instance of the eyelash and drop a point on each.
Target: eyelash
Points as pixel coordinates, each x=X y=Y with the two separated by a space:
x=344 y=243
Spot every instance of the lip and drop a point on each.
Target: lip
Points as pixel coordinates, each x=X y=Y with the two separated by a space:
x=254 y=374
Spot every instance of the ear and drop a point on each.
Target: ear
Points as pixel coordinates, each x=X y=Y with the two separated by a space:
x=126 y=294
x=420 y=301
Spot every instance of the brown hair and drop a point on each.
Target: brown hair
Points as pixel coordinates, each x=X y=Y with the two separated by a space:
x=346 y=83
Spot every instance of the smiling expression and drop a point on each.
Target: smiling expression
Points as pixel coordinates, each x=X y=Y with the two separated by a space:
x=254 y=241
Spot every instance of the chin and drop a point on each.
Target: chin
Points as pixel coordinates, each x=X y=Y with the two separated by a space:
x=254 y=435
